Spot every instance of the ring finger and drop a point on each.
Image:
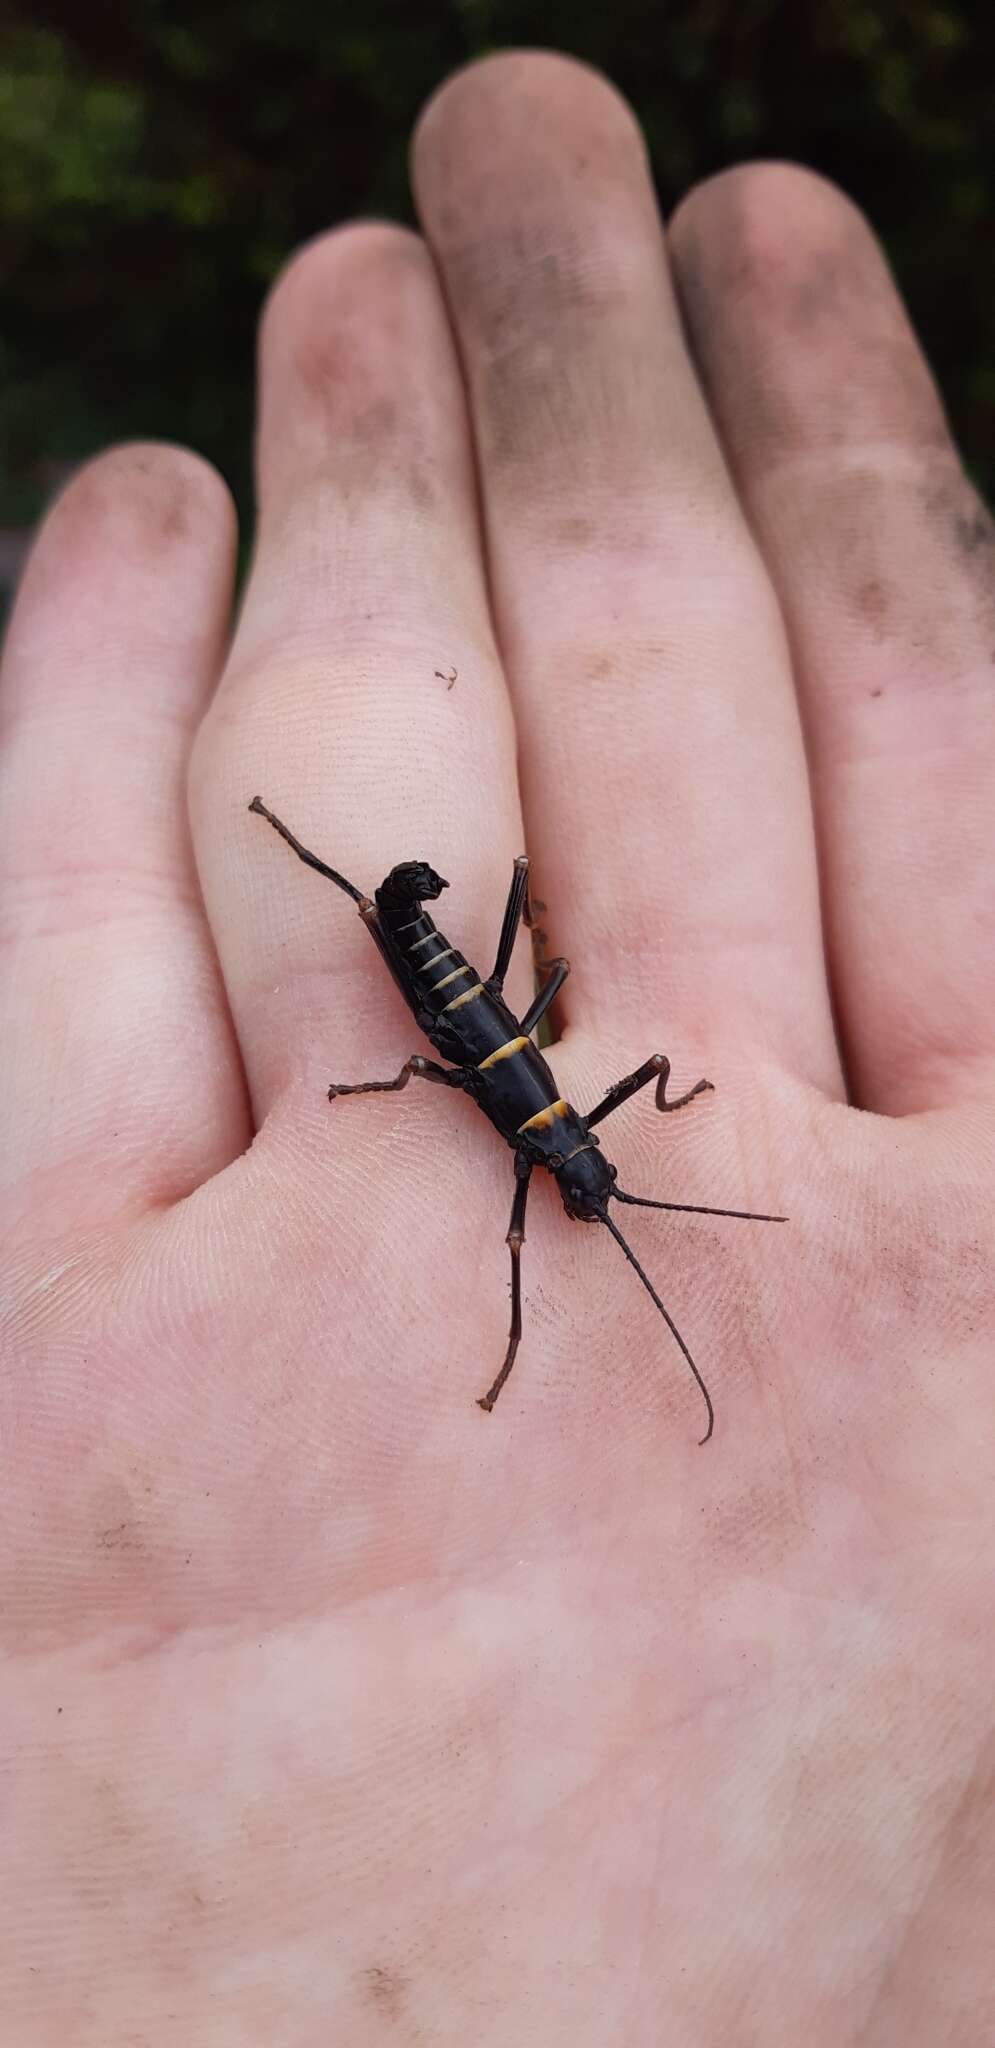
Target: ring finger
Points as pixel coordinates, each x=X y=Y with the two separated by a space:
x=363 y=699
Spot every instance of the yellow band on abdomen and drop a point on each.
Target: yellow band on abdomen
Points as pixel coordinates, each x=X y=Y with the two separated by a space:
x=466 y=997
x=543 y=1118
x=447 y=978
x=504 y=1052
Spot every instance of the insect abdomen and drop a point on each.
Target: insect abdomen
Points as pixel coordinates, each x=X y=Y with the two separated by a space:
x=475 y=1029
x=440 y=975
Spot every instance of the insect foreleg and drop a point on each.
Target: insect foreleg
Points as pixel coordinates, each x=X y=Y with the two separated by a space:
x=417 y=1068
x=656 y=1068
x=515 y=1241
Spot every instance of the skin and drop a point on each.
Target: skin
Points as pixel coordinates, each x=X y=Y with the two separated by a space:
x=334 y=1710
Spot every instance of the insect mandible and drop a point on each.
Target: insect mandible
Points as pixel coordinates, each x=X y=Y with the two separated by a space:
x=495 y=1062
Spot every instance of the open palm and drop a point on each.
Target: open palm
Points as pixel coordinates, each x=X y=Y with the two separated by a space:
x=334 y=1709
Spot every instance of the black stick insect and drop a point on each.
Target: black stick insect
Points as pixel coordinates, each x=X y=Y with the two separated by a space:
x=495 y=1062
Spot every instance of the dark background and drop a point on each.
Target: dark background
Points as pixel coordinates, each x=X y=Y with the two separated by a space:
x=154 y=173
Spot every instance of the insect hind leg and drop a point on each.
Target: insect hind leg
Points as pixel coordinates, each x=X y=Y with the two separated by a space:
x=416 y=1068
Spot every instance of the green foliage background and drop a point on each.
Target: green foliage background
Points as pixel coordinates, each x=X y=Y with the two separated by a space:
x=155 y=171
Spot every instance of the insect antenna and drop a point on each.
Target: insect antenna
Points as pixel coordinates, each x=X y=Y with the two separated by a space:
x=668 y=1319
x=693 y=1208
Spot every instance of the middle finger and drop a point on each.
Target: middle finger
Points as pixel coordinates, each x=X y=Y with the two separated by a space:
x=662 y=765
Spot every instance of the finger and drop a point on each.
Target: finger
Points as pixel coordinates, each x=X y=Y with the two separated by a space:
x=663 y=774
x=339 y=705
x=884 y=558
x=120 y=1077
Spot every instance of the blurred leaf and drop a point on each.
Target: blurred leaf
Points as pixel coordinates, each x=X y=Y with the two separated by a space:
x=155 y=174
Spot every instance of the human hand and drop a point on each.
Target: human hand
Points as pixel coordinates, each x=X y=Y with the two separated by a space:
x=334 y=1710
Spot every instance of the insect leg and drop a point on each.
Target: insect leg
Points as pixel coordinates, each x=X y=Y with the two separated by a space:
x=558 y=971
x=515 y=1241
x=511 y=921
x=367 y=908
x=657 y=1068
x=417 y=1066
x=311 y=859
